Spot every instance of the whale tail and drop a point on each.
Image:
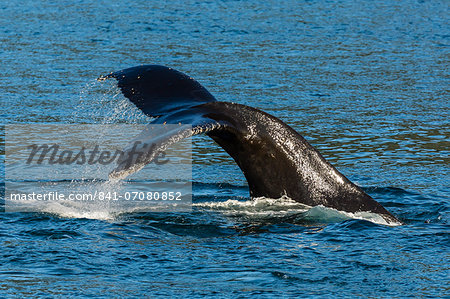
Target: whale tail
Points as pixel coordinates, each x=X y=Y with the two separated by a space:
x=275 y=159
x=159 y=90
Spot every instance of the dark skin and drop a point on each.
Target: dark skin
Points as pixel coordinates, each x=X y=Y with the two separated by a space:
x=275 y=159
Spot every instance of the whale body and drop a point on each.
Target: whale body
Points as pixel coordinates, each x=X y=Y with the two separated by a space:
x=275 y=159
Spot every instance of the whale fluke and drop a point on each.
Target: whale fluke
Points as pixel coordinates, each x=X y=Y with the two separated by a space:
x=158 y=90
x=275 y=159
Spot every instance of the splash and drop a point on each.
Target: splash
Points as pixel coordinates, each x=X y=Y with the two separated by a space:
x=284 y=206
x=321 y=212
x=260 y=207
x=73 y=208
x=99 y=103
x=104 y=103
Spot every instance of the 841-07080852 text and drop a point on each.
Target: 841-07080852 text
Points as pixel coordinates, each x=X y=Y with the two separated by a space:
x=134 y=195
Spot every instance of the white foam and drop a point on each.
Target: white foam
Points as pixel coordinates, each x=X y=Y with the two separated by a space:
x=285 y=206
x=69 y=210
x=257 y=207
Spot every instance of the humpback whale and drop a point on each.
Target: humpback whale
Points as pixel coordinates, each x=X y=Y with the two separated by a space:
x=275 y=159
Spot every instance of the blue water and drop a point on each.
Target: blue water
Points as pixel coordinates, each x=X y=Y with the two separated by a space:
x=366 y=83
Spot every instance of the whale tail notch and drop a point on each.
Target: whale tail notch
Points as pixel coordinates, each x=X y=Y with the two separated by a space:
x=275 y=159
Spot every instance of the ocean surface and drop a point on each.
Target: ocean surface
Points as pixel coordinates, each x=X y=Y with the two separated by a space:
x=365 y=82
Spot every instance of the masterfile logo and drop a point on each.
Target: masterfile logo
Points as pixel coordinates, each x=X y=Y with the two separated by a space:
x=73 y=163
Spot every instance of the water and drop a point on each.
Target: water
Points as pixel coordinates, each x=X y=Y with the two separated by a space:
x=367 y=83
